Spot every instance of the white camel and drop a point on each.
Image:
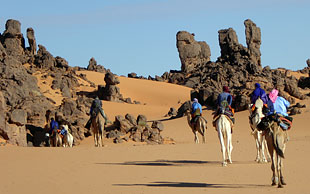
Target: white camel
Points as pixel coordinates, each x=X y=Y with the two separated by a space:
x=260 y=141
x=68 y=138
x=223 y=127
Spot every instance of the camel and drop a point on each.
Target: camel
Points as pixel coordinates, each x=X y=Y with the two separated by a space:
x=68 y=138
x=276 y=140
x=199 y=127
x=223 y=127
x=57 y=140
x=97 y=126
x=260 y=141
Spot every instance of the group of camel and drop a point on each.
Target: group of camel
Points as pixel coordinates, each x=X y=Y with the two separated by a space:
x=274 y=138
x=57 y=140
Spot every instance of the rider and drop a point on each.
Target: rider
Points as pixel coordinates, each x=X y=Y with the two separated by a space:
x=196 y=110
x=95 y=108
x=224 y=97
x=259 y=93
x=279 y=107
x=224 y=101
x=53 y=127
x=280 y=104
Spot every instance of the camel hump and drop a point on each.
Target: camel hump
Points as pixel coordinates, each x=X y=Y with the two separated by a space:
x=259 y=103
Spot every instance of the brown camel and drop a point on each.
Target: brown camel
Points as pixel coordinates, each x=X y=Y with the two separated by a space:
x=200 y=126
x=97 y=126
x=276 y=140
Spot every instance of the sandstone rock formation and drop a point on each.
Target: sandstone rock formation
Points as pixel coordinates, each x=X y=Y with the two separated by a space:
x=136 y=129
x=238 y=67
x=110 y=91
x=191 y=52
x=253 y=40
x=32 y=41
x=44 y=59
x=93 y=66
x=13 y=40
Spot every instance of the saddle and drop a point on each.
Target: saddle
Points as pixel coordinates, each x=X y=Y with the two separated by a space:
x=228 y=118
x=195 y=119
x=227 y=112
x=285 y=122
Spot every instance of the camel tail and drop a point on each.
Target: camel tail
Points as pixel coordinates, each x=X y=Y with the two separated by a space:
x=101 y=123
x=279 y=145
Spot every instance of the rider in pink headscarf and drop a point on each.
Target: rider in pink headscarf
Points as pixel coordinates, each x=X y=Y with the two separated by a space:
x=280 y=104
x=273 y=95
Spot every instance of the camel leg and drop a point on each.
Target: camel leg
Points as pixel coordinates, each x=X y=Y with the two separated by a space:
x=273 y=168
x=99 y=140
x=281 y=174
x=229 y=146
x=95 y=138
x=263 y=146
x=257 y=147
x=279 y=171
x=51 y=142
x=196 y=137
x=55 y=141
x=273 y=159
x=203 y=131
x=266 y=147
x=223 y=149
x=260 y=149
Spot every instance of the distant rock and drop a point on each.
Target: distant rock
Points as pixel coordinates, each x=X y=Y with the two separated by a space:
x=132 y=75
x=93 y=66
x=61 y=62
x=32 y=41
x=44 y=59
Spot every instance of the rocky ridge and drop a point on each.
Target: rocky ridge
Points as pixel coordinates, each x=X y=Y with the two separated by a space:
x=26 y=109
x=238 y=67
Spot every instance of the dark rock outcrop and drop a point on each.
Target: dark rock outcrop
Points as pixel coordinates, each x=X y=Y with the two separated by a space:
x=253 y=40
x=93 y=66
x=14 y=41
x=191 y=52
x=32 y=41
x=238 y=67
x=3 y=53
x=44 y=59
x=110 y=91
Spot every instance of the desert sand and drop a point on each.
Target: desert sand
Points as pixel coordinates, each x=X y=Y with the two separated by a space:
x=183 y=167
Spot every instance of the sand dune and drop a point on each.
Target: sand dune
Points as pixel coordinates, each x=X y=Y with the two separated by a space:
x=134 y=168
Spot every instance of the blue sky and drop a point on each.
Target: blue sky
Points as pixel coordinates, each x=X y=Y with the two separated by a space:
x=140 y=35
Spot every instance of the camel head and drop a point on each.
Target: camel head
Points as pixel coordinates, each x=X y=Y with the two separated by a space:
x=65 y=127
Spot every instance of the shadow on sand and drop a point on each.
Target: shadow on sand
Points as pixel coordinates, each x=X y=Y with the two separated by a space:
x=195 y=185
x=167 y=163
